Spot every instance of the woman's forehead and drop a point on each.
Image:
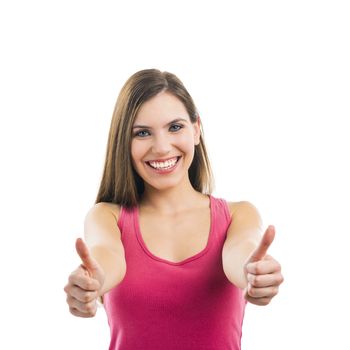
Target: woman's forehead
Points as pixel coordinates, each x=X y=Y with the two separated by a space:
x=161 y=108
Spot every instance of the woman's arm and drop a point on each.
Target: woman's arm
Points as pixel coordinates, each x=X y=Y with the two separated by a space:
x=103 y=238
x=244 y=257
x=243 y=237
x=103 y=264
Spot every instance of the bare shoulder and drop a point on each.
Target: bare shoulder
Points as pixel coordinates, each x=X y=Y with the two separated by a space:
x=246 y=222
x=106 y=206
x=242 y=208
x=100 y=225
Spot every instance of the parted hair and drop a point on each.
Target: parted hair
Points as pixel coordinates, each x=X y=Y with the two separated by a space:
x=120 y=183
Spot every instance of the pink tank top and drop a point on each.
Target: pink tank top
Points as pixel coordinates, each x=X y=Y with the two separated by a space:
x=187 y=305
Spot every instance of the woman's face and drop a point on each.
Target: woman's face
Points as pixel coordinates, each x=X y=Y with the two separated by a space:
x=163 y=140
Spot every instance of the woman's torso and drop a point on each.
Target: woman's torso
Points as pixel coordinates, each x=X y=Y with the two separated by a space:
x=175 y=294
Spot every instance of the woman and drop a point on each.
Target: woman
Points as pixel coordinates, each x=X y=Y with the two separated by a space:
x=175 y=265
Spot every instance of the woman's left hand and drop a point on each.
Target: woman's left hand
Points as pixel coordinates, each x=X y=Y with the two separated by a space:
x=263 y=272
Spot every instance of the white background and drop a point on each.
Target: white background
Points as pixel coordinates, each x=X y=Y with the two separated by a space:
x=271 y=81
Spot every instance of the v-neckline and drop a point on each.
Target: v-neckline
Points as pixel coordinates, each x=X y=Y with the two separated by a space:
x=193 y=257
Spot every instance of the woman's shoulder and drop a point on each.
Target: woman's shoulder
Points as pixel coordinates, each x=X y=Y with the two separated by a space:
x=107 y=206
x=241 y=207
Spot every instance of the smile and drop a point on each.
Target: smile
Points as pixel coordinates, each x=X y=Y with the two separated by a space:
x=164 y=165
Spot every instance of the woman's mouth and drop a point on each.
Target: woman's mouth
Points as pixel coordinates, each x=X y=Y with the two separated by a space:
x=164 y=166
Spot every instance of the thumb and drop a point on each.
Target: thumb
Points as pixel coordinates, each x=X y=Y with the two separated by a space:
x=88 y=261
x=264 y=244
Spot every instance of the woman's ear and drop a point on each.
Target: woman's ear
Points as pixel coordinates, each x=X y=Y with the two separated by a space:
x=197 y=131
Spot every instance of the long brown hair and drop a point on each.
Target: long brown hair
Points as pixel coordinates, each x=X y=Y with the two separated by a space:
x=120 y=184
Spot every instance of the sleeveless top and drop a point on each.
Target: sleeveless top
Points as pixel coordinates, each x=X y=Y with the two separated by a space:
x=164 y=305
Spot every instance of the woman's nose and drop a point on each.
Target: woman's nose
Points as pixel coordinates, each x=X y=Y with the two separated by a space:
x=161 y=145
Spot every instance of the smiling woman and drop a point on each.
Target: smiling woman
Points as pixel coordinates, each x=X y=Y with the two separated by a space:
x=146 y=97
x=175 y=265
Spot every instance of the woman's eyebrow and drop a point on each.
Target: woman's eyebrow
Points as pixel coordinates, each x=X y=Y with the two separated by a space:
x=149 y=127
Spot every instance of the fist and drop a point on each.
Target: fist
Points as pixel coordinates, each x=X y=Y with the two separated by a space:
x=84 y=284
x=263 y=272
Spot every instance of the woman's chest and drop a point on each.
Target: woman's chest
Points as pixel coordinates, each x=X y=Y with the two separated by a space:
x=176 y=238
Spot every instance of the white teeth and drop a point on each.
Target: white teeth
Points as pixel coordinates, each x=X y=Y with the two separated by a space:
x=164 y=165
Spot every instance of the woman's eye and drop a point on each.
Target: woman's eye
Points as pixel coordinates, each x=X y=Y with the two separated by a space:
x=142 y=133
x=176 y=127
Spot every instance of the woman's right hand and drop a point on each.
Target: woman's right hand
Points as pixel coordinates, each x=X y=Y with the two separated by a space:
x=84 y=283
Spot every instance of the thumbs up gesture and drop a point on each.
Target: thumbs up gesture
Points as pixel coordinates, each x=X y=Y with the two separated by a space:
x=263 y=272
x=84 y=283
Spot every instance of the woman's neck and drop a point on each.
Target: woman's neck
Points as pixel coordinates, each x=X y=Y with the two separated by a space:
x=172 y=200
